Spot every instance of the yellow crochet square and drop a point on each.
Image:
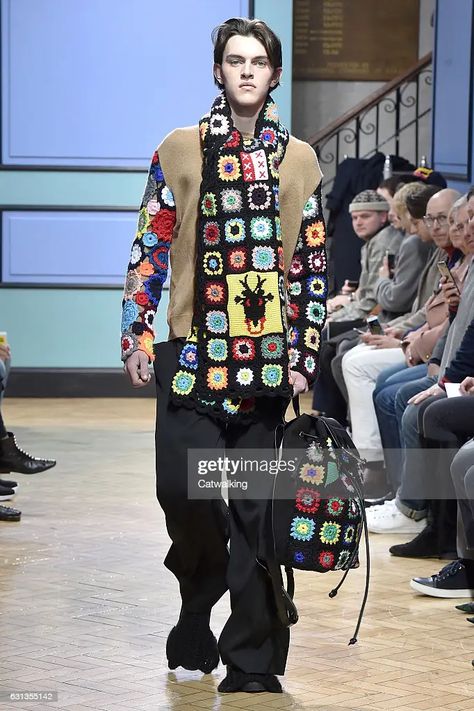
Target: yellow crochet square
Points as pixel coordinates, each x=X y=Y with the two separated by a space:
x=253 y=304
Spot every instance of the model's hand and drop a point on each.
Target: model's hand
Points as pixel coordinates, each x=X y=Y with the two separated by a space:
x=380 y=341
x=433 y=391
x=299 y=383
x=136 y=367
x=467 y=386
x=5 y=351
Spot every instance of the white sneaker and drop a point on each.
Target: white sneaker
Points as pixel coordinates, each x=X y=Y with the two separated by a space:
x=373 y=512
x=394 y=521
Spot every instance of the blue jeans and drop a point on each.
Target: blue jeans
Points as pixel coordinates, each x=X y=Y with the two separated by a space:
x=387 y=386
x=413 y=463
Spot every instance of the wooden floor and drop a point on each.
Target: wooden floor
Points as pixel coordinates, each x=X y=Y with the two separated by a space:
x=86 y=604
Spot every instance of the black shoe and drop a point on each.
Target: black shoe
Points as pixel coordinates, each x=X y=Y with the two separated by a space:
x=9 y=514
x=14 y=459
x=379 y=502
x=454 y=580
x=424 y=545
x=9 y=484
x=375 y=481
x=192 y=645
x=237 y=680
x=467 y=607
x=6 y=493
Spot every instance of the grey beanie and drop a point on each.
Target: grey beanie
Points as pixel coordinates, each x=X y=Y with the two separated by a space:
x=369 y=200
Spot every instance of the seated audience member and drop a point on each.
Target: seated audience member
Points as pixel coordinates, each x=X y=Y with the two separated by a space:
x=451 y=422
x=12 y=458
x=369 y=213
x=418 y=344
x=362 y=365
x=329 y=394
x=412 y=399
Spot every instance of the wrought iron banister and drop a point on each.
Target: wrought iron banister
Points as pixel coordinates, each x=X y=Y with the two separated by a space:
x=394 y=118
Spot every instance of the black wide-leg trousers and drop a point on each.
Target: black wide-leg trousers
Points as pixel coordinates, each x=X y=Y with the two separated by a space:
x=253 y=640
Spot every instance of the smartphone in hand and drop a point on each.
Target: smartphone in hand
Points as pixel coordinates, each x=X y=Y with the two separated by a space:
x=445 y=271
x=375 y=327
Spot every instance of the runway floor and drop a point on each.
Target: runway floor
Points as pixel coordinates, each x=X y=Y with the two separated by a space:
x=86 y=604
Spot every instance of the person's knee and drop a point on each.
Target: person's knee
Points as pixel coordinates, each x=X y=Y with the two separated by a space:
x=410 y=419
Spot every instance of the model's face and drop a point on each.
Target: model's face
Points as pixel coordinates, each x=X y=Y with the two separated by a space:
x=456 y=220
x=246 y=74
x=367 y=222
x=469 y=226
x=436 y=218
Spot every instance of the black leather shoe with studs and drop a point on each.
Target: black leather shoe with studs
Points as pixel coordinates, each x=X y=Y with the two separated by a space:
x=14 y=459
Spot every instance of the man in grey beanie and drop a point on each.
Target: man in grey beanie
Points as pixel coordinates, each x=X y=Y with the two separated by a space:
x=369 y=212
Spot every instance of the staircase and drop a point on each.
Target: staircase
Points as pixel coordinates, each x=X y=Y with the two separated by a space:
x=395 y=119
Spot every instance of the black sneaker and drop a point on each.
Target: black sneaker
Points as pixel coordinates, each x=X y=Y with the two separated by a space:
x=6 y=493
x=454 y=580
x=9 y=514
x=237 y=680
x=9 y=484
x=424 y=545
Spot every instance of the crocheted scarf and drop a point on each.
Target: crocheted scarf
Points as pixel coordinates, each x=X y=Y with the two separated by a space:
x=237 y=347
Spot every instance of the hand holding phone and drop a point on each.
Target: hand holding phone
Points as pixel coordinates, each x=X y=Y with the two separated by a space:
x=374 y=325
x=445 y=272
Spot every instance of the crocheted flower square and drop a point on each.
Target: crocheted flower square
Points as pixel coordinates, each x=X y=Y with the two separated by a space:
x=167 y=196
x=348 y=534
x=281 y=263
x=274 y=163
x=272 y=347
x=231 y=200
x=234 y=230
x=353 y=509
x=268 y=136
x=209 y=205
x=296 y=266
x=271 y=113
x=302 y=529
x=330 y=533
x=237 y=259
x=183 y=382
x=149 y=318
x=162 y=224
x=211 y=234
x=326 y=559
x=216 y=321
x=232 y=407
x=263 y=258
x=315 y=453
x=299 y=557
x=261 y=228
x=294 y=356
x=312 y=474
x=311 y=338
x=342 y=561
x=278 y=229
x=213 y=263
x=219 y=125
x=149 y=239
x=317 y=262
x=130 y=313
x=188 y=356
x=309 y=364
x=228 y=168
x=335 y=506
x=259 y=196
x=276 y=197
x=293 y=336
x=294 y=288
x=129 y=344
x=317 y=286
x=233 y=140
x=159 y=258
x=308 y=500
x=214 y=292
x=217 y=378
x=272 y=375
x=292 y=311
x=243 y=349
x=311 y=208
x=315 y=312
x=217 y=349
x=244 y=376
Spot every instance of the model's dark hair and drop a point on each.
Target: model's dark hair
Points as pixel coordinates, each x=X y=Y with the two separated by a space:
x=390 y=184
x=417 y=201
x=246 y=28
x=470 y=193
